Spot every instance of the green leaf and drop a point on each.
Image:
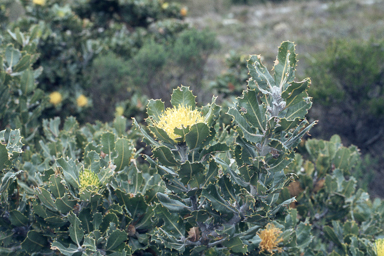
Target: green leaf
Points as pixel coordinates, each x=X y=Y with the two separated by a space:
x=27 y=82
x=161 y=135
x=13 y=140
x=108 y=143
x=135 y=205
x=146 y=221
x=145 y=134
x=244 y=129
x=70 y=251
x=171 y=204
x=18 y=219
x=155 y=108
x=65 y=204
x=236 y=245
x=255 y=113
x=120 y=124
x=56 y=187
x=192 y=174
x=124 y=148
x=70 y=171
x=165 y=156
x=116 y=238
x=218 y=203
x=211 y=175
x=330 y=234
x=46 y=199
x=197 y=134
x=75 y=231
x=285 y=65
x=173 y=223
x=34 y=242
x=12 y=55
x=260 y=74
x=23 y=64
x=303 y=235
x=184 y=97
x=3 y=157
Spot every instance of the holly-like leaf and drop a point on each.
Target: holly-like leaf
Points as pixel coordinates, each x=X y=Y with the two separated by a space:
x=217 y=201
x=255 y=113
x=244 y=129
x=70 y=171
x=171 y=204
x=155 y=108
x=124 y=150
x=173 y=223
x=46 y=199
x=236 y=245
x=75 y=231
x=165 y=156
x=17 y=218
x=260 y=75
x=285 y=65
x=120 y=124
x=56 y=187
x=116 y=238
x=34 y=242
x=184 y=97
x=145 y=134
x=108 y=143
x=197 y=134
x=192 y=174
x=71 y=250
x=12 y=55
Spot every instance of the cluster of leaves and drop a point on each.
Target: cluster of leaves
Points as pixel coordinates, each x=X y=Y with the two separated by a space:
x=73 y=34
x=208 y=190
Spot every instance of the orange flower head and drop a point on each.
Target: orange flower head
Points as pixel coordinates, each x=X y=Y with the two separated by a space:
x=270 y=238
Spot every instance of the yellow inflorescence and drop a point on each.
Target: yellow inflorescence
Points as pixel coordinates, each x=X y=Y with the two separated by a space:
x=165 y=5
x=270 y=238
x=183 y=11
x=55 y=98
x=380 y=247
x=119 y=111
x=89 y=179
x=39 y=2
x=82 y=101
x=178 y=117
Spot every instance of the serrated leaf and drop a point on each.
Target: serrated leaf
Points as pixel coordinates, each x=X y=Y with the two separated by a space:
x=285 y=65
x=146 y=221
x=17 y=218
x=145 y=134
x=124 y=148
x=165 y=156
x=46 y=199
x=255 y=113
x=260 y=74
x=330 y=234
x=197 y=134
x=108 y=143
x=161 y=135
x=65 y=204
x=116 y=238
x=14 y=143
x=171 y=204
x=3 y=156
x=23 y=64
x=155 y=108
x=244 y=129
x=27 y=82
x=236 y=245
x=218 y=203
x=34 y=242
x=120 y=124
x=211 y=175
x=70 y=171
x=184 y=97
x=303 y=235
x=192 y=174
x=70 y=251
x=56 y=187
x=173 y=223
x=75 y=231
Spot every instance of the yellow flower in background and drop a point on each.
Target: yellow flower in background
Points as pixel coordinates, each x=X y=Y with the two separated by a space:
x=39 y=2
x=119 y=111
x=183 y=11
x=90 y=180
x=82 y=101
x=178 y=117
x=380 y=247
x=55 y=98
x=270 y=238
x=165 y=5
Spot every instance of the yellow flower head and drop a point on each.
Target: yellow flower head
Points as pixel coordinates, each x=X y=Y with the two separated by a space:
x=178 y=117
x=82 y=101
x=90 y=180
x=119 y=111
x=380 y=247
x=39 y=2
x=270 y=238
x=183 y=11
x=165 y=5
x=55 y=98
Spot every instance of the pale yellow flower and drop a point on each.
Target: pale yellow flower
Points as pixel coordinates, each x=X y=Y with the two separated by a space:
x=165 y=5
x=183 y=11
x=55 y=98
x=380 y=247
x=119 y=111
x=39 y=2
x=82 y=101
x=270 y=238
x=90 y=180
x=178 y=117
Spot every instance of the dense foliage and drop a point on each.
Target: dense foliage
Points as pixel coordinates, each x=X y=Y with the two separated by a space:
x=202 y=189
